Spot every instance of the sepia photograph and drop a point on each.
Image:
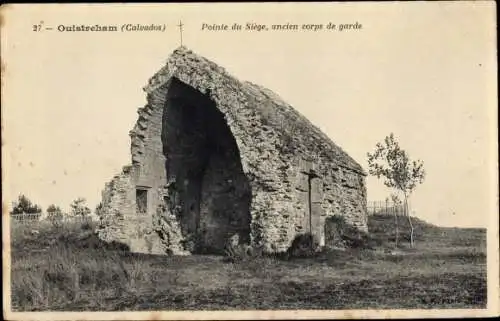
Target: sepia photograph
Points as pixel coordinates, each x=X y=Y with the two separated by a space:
x=249 y=161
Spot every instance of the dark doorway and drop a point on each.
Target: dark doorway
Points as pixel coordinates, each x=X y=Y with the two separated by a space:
x=212 y=193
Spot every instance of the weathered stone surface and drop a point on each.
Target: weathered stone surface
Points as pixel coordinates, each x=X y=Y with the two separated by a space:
x=218 y=157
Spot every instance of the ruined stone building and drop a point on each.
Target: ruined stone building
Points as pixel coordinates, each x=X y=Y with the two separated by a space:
x=213 y=156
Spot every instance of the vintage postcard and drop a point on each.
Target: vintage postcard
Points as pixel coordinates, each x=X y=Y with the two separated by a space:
x=249 y=161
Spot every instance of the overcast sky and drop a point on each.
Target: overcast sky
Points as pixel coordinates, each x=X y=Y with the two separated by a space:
x=424 y=72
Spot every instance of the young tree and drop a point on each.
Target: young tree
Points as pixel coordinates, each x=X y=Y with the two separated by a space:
x=396 y=204
x=54 y=214
x=24 y=205
x=399 y=172
x=99 y=210
x=79 y=207
x=52 y=208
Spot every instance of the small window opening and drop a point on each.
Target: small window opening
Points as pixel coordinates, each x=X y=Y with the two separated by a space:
x=142 y=201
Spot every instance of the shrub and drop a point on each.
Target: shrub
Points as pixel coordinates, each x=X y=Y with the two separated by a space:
x=55 y=215
x=25 y=205
x=192 y=243
x=304 y=245
x=79 y=207
x=341 y=234
x=241 y=252
x=237 y=251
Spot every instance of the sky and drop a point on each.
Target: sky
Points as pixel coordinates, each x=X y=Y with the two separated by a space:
x=424 y=71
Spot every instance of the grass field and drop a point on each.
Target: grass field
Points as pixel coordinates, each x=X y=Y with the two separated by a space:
x=68 y=268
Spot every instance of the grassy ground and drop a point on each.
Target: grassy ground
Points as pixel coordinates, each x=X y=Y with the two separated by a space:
x=68 y=268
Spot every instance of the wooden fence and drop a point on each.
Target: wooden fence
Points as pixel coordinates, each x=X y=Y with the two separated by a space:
x=384 y=208
x=28 y=218
x=25 y=217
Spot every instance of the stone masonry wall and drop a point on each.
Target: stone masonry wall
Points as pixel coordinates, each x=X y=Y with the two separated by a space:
x=276 y=145
x=272 y=137
x=148 y=172
x=285 y=207
x=147 y=147
x=118 y=209
x=121 y=223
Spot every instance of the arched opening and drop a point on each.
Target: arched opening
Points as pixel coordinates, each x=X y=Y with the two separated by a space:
x=211 y=195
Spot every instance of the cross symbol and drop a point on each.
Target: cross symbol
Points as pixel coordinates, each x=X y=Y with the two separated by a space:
x=180 y=29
